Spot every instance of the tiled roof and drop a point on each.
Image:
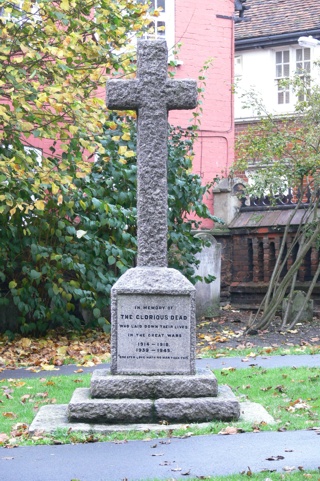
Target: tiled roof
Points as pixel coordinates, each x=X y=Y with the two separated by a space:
x=276 y=17
x=270 y=218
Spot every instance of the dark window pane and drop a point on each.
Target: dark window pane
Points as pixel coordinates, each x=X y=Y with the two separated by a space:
x=162 y=4
x=161 y=29
x=299 y=55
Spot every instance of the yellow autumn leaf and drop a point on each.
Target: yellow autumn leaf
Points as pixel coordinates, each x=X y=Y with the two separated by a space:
x=25 y=342
x=126 y=136
x=122 y=149
x=40 y=205
x=60 y=199
x=129 y=154
x=80 y=175
x=17 y=59
x=54 y=188
x=73 y=129
x=48 y=367
x=115 y=138
x=26 y=6
x=65 y=5
x=62 y=351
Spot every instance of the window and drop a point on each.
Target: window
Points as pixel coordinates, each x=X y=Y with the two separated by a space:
x=14 y=12
x=238 y=65
x=303 y=69
x=283 y=73
x=35 y=153
x=303 y=60
x=162 y=26
x=287 y=63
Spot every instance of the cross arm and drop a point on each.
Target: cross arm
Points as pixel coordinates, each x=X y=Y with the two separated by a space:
x=123 y=94
x=181 y=94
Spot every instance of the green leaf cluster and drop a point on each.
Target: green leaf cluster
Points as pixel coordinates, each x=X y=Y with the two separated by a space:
x=54 y=61
x=282 y=151
x=63 y=244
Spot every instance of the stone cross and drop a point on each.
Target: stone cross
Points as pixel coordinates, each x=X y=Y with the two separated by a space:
x=152 y=95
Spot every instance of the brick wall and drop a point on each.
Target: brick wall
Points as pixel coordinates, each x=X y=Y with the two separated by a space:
x=248 y=259
x=203 y=36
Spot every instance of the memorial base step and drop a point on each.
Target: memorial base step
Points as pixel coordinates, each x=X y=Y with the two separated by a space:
x=84 y=408
x=107 y=385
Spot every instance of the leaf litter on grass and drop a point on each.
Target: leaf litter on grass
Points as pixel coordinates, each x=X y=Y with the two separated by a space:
x=226 y=335
x=86 y=349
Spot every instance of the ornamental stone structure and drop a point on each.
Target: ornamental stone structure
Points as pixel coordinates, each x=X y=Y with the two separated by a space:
x=152 y=376
x=153 y=307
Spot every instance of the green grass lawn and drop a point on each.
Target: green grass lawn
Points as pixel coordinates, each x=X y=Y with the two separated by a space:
x=290 y=395
x=259 y=351
x=266 y=476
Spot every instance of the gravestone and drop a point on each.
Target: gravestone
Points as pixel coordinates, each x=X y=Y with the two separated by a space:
x=298 y=300
x=152 y=377
x=208 y=294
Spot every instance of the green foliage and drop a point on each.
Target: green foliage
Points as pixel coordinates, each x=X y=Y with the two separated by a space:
x=68 y=226
x=282 y=151
x=64 y=244
x=54 y=58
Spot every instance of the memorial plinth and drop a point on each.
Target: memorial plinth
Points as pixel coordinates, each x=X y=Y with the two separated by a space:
x=153 y=328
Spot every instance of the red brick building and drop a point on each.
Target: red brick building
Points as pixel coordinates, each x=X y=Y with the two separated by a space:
x=267 y=50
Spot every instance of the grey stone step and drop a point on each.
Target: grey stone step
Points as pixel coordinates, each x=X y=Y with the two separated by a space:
x=83 y=408
x=224 y=407
x=106 y=385
x=54 y=416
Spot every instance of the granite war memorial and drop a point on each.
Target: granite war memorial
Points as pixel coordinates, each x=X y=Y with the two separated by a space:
x=153 y=378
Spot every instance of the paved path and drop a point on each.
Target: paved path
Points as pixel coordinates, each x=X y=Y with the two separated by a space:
x=167 y=459
x=239 y=363
x=140 y=460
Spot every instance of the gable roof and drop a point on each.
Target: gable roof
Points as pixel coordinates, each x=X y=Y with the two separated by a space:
x=272 y=19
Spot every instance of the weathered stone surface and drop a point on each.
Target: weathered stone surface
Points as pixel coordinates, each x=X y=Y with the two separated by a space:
x=153 y=323
x=298 y=300
x=83 y=408
x=152 y=94
x=152 y=307
x=254 y=413
x=106 y=385
x=225 y=407
x=54 y=416
x=208 y=295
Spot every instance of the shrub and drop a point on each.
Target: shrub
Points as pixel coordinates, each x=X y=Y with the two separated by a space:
x=63 y=250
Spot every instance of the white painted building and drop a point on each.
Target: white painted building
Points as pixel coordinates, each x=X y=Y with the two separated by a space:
x=267 y=52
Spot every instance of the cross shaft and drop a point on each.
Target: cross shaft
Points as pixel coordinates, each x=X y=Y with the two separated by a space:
x=152 y=95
